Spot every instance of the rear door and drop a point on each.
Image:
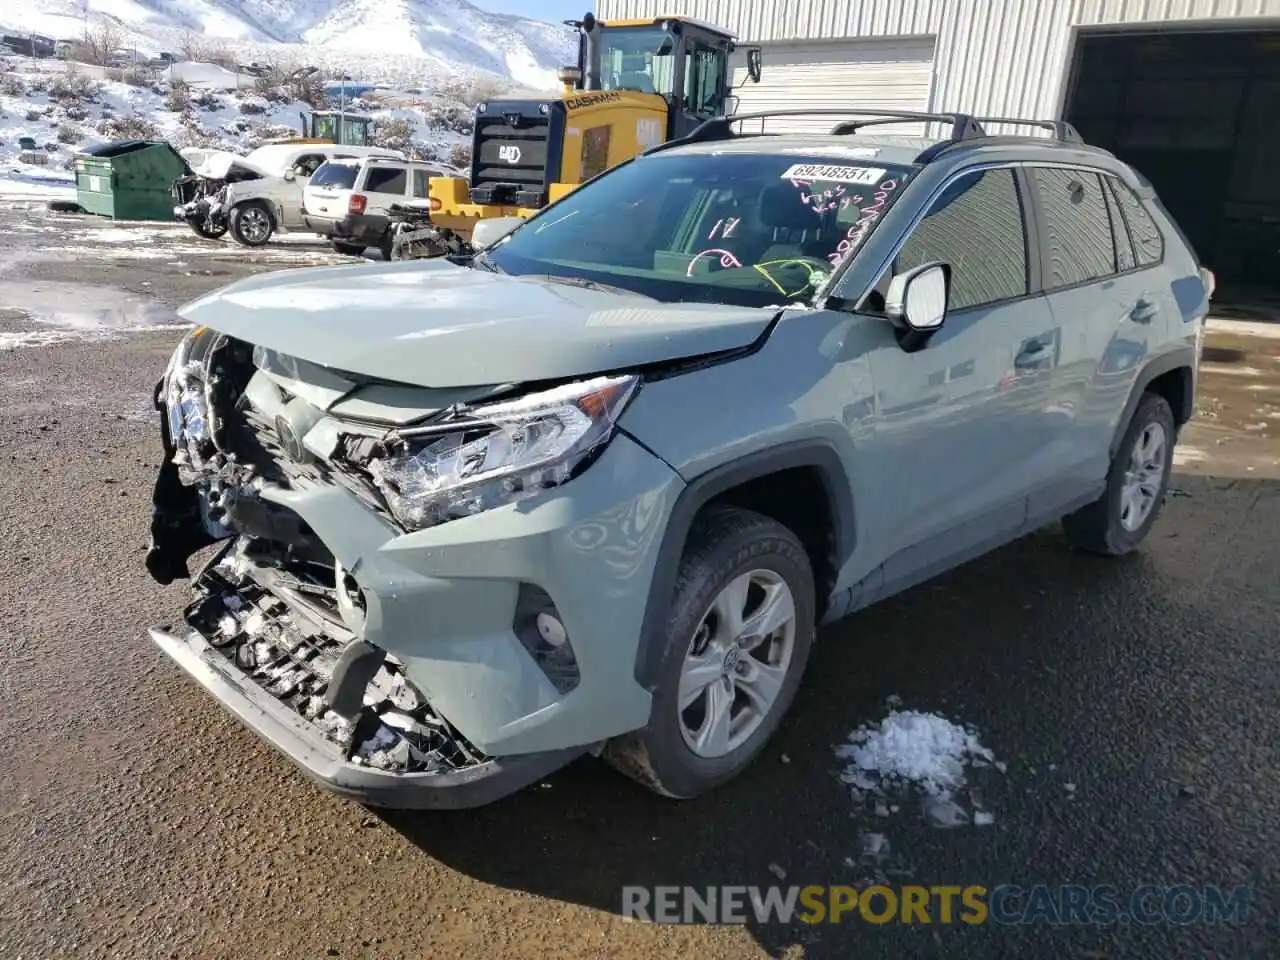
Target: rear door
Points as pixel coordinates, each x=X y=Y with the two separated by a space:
x=1106 y=301
x=329 y=191
x=385 y=184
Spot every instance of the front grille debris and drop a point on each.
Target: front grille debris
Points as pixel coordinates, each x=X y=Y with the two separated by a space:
x=288 y=649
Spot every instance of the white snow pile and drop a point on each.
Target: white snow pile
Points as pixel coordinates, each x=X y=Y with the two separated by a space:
x=908 y=750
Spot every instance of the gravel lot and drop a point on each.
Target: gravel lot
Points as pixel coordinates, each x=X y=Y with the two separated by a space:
x=1134 y=703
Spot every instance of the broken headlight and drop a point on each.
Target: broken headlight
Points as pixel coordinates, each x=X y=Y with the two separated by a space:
x=498 y=453
x=187 y=403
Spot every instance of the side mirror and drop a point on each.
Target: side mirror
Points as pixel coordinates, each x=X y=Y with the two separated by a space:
x=290 y=176
x=731 y=104
x=488 y=232
x=917 y=302
x=753 y=64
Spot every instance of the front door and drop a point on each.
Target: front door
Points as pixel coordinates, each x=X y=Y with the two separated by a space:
x=703 y=91
x=954 y=436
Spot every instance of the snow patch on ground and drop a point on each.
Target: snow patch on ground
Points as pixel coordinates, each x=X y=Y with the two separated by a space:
x=913 y=751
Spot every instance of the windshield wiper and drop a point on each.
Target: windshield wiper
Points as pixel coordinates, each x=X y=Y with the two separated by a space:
x=482 y=261
x=586 y=284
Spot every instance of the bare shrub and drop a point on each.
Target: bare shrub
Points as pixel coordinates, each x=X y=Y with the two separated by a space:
x=132 y=127
x=395 y=134
x=12 y=85
x=178 y=97
x=133 y=76
x=97 y=43
x=74 y=87
x=34 y=115
x=451 y=118
x=253 y=106
x=474 y=91
x=76 y=112
x=68 y=134
x=206 y=100
x=203 y=50
x=460 y=155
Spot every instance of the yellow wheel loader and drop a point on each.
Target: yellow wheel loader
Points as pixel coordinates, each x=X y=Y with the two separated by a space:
x=637 y=84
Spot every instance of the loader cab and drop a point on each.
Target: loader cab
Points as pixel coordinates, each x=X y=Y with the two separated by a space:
x=683 y=61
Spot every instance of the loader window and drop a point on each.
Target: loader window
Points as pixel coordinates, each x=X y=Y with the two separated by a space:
x=637 y=58
x=745 y=229
x=703 y=67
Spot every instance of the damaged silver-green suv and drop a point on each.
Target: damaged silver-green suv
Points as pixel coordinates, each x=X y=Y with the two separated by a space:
x=592 y=488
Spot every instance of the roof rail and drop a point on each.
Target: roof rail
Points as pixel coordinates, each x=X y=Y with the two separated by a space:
x=720 y=128
x=1060 y=128
x=963 y=127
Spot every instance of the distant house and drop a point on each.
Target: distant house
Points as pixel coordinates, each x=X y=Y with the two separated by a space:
x=29 y=45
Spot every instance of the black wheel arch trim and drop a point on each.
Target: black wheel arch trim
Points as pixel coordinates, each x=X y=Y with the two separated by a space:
x=702 y=489
x=1183 y=358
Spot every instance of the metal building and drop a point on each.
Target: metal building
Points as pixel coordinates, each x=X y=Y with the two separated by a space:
x=1186 y=90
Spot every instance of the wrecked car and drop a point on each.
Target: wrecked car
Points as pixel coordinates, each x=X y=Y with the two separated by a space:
x=591 y=489
x=254 y=196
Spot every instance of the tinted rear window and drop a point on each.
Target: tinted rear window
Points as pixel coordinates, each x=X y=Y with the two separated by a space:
x=335 y=175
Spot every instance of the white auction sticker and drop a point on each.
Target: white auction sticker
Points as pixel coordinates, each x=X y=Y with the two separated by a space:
x=818 y=171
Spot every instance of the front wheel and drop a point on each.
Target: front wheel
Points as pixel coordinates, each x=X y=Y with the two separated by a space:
x=737 y=640
x=252 y=223
x=202 y=229
x=1137 y=482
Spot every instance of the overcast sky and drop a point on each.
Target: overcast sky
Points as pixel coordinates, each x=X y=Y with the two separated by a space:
x=554 y=10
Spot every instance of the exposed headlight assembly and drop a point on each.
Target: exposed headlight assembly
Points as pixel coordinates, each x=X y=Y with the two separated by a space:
x=498 y=453
x=187 y=402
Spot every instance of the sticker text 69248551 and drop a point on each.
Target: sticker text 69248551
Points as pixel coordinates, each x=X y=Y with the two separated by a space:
x=833 y=174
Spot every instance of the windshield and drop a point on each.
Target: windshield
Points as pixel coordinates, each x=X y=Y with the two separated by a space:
x=637 y=58
x=744 y=229
x=335 y=175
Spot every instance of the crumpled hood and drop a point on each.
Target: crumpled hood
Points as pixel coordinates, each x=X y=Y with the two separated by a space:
x=216 y=164
x=434 y=324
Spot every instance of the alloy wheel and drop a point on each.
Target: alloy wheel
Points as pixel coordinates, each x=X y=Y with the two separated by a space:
x=737 y=662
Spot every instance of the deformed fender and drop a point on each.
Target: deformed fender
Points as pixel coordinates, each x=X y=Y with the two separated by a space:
x=1180 y=358
x=700 y=490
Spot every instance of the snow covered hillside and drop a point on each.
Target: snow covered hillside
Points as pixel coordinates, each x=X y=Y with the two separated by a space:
x=49 y=110
x=389 y=40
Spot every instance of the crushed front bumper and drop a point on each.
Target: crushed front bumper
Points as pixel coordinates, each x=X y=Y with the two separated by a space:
x=272 y=694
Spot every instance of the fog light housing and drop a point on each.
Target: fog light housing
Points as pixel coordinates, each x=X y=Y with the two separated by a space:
x=542 y=632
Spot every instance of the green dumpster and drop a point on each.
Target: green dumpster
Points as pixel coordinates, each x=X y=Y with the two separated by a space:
x=129 y=179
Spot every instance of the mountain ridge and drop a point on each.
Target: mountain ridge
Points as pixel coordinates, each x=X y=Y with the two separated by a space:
x=449 y=32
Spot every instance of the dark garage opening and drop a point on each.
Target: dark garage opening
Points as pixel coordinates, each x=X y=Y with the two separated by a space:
x=1198 y=113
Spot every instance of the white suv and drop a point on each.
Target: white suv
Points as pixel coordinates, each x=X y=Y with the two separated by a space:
x=350 y=200
x=256 y=195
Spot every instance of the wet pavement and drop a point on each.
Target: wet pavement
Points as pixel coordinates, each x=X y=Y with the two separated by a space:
x=1132 y=702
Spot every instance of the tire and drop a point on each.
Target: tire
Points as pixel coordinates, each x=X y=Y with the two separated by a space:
x=252 y=223
x=1108 y=526
x=204 y=233
x=347 y=249
x=726 y=546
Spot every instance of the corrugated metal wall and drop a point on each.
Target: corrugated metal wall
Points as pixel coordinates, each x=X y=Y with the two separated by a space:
x=993 y=57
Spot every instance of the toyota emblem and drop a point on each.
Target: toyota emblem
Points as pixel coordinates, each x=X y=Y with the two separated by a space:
x=290 y=442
